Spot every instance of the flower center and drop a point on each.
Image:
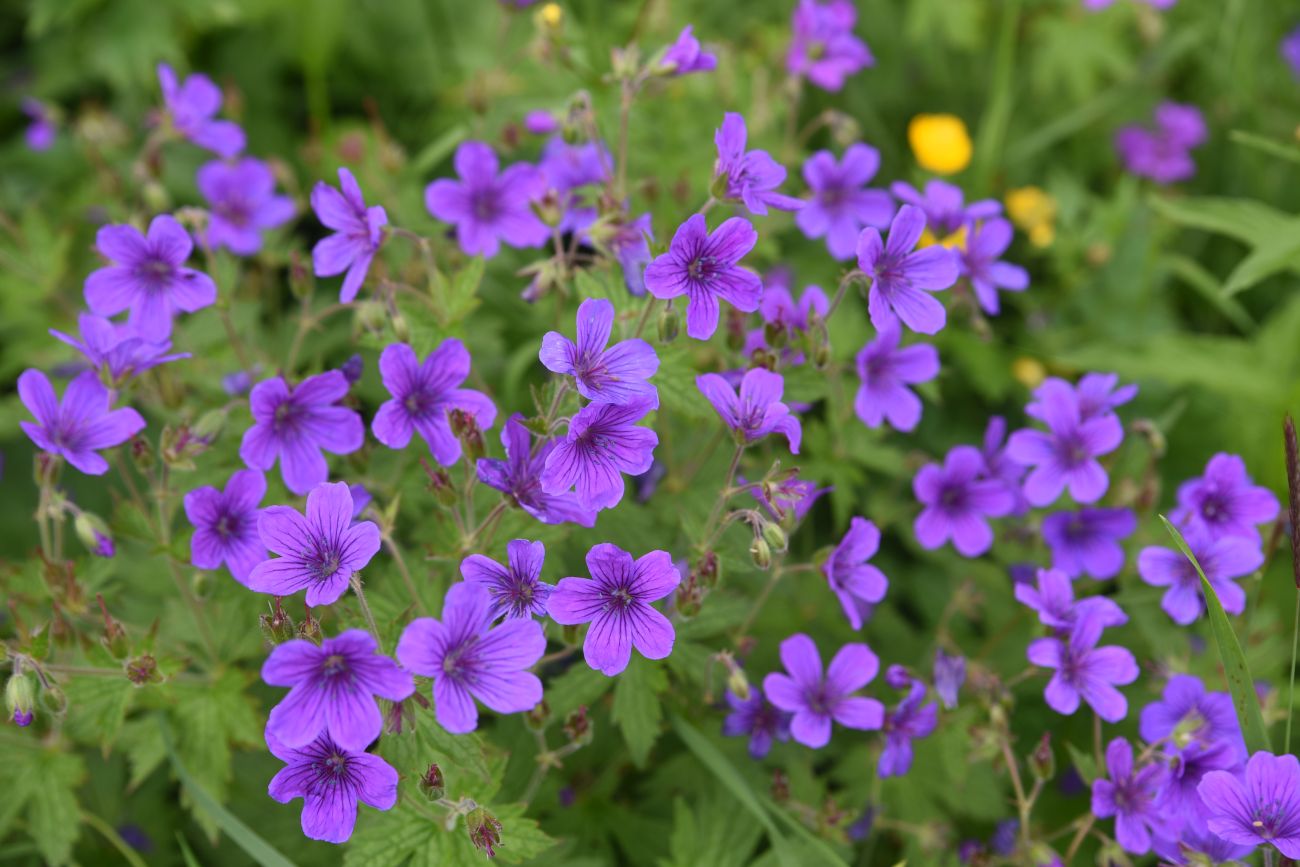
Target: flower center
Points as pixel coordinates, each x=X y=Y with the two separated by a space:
x=227 y=526
x=334 y=664
x=155 y=274
x=484 y=206
x=953 y=498
x=702 y=268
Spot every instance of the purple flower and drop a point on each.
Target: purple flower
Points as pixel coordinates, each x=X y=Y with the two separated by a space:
x=1130 y=796
x=469 y=658
x=1262 y=807
x=191 y=107
x=568 y=167
x=332 y=689
x=1066 y=455
x=757 y=411
x=616 y=374
x=358 y=232
x=1225 y=501
x=1163 y=152
x=1085 y=671
x=239 y=382
x=1087 y=541
x=817 y=699
x=616 y=601
x=1290 y=51
x=979 y=263
x=906 y=722
x=630 y=244
x=424 y=394
x=225 y=524
x=751 y=176
x=944 y=204
x=1097 y=394
x=295 y=424
x=1052 y=596
x=949 y=675
x=778 y=307
x=39 y=134
x=147 y=277
x=841 y=203
x=702 y=266
x=80 y=424
x=822 y=45
x=117 y=349
x=541 y=122
x=603 y=441
x=958 y=501
x=319 y=552
x=331 y=781
x=1187 y=714
x=685 y=55
x=1223 y=560
x=486 y=207
x=758 y=718
x=851 y=577
x=901 y=277
x=242 y=203
x=886 y=371
x=999 y=465
x=519 y=477
x=1178 y=802
x=517 y=589
x=785 y=496
x=360 y=499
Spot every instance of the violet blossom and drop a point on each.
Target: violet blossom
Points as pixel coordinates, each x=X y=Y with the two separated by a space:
x=242 y=203
x=603 y=441
x=817 y=699
x=1130 y=796
x=77 y=426
x=851 y=577
x=958 y=500
x=823 y=48
x=903 y=724
x=758 y=718
x=841 y=204
x=602 y=373
x=331 y=781
x=703 y=267
x=1087 y=541
x=979 y=263
x=1260 y=807
x=1223 y=560
x=117 y=350
x=190 y=107
x=1052 y=596
x=757 y=410
x=947 y=216
x=903 y=278
x=1083 y=671
x=519 y=477
x=751 y=177
x=1066 y=455
x=486 y=205
x=517 y=588
x=225 y=524
x=358 y=232
x=685 y=56
x=885 y=371
x=1225 y=501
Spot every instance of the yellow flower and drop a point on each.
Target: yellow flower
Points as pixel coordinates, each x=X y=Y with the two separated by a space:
x=550 y=14
x=955 y=241
x=1029 y=372
x=1034 y=212
x=940 y=143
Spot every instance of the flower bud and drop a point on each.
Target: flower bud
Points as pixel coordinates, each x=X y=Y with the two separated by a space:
x=20 y=699
x=309 y=629
x=401 y=330
x=537 y=718
x=114 y=638
x=440 y=485
x=737 y=683
x=431 y=784
x=721 y=183
x=774 y=334
x=761 y=553
x=708 y=569
x=1042 y=761
x=141 y=453
x=302 y=278
x=774 y=536
x=143 y=669
x=898 y=677
x=277 y=627
x=737 y=329
x=821 y=356
x=669 y=325
x=689 y=598
x=780 y=786
x=484 y=829
x=94 y=534
x=465 y=427
x=577 y=726
x=352 y=369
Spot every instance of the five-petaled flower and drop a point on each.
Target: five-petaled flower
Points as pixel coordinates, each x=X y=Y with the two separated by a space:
x=1066 y=454
x=602 y=373
x=841 y=204
x=1084 y=671
x=1223 y=560
x=117 y=350
x=751 y=177
x=80 y=424
x=757 y=410
x=242 y=203
x=190 y=106
x=902 y=278
x=520 y=477
x=616 y=602
x=1131 y=796
x=517 y=588
x=823 y=47
x=331 y=781
x=225 y=524
x=294 y=425
x=958 y=500
x=1261 y=807
x=358 y=232
x=486 y=205
x=886 y=370
x=702 y=266
x=816 y=698
x=855 y=581
x=603 y=441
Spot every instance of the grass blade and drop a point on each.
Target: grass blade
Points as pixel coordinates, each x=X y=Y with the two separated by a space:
x=245 y=837
x=1240 y=684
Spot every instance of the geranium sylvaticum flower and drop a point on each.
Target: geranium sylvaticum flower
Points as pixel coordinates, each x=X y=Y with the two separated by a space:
x=886 y=370
x=949 y=675
x=979 y=263
x=517 y=589
x=148 y=277
x=225 y=524
x=909 y=720
x=1187 y=713
x=999 y=465
x=424 y=393
x=358 y=232
x=958 y=501
x=751 y=177
x=1223 y=560
x=331 y=781
x=851 y=577
x=1163 y=151
x=1066 y=454
x=117 y=350
x=1225 y=501
x=841 y=204
x=616 y=602
x=295 y=424
x=242 y=203
x=601 y=373
x=332 y=689
x=190 y=107
x=1083 y=671
x=1096 y=394
x=486 y=205
x=902 y=277
x=1052 y=596
x=823 y=48
x=469 y=658
x=947 y=216
x=603 y=441
x=817 y=698
x=787 y=499
x=702 y=266
x=786 y=321
x=1129 y=795
x=1087 y=541
x=520 y=477
x=757 y=717
x=1259 y=807
x=319 y=551
x=79 y=425
x=757 y=410
x=686 y=56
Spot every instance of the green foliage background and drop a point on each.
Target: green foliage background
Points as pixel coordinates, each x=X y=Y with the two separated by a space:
x=1191 y=292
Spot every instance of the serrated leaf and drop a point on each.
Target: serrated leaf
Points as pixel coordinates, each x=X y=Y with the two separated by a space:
x=407 y=836
x=1245 y=701
x=41 y=785
x=463 y=758
x=142 y=743
x=462 y=295
x=578 y=686
x=710 y=831
x=637 y=708
x=97 y=707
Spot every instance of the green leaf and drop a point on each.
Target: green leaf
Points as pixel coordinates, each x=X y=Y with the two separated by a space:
x=710 y=831
x=462 y=296
x=97 y=707
x=463 y=758
x=1244 y=699
x=41 y=785
x=243 y=836
x=637 y=708
x=1083 y=763
x=411 y=836
x=1244 y=219
x=579 y=686
x=1272 y=256
x=1272 y=147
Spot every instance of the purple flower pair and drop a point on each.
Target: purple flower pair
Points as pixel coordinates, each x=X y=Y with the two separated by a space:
x=519 y=477
x=1066 y=454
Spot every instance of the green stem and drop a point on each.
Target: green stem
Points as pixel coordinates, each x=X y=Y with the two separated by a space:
x=724 y=495
x=110 y=834
x=182 y=586
x=396 y=553
x=365 y=606
x=1290 y=696
x=1022 y=802
x=778 y=569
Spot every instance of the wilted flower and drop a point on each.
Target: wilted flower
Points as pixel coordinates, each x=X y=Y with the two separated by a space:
x=40 y=133
x=903 y=724
x=949 y=675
